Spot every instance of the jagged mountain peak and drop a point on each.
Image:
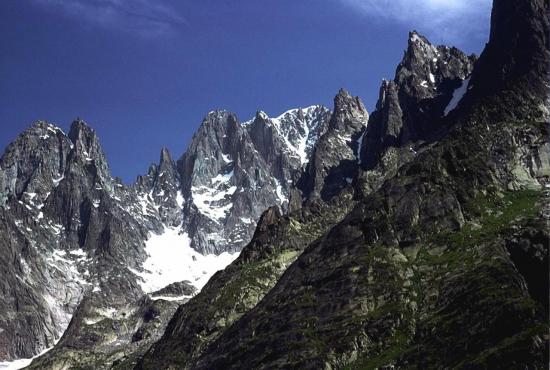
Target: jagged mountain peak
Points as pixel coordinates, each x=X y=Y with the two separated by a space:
x=334 y=160
x=44 y=125
x=43 y=146
x=303 y=112
x=81 y=131
x=298 y=115
x=165 y=161
x=165 y=155
x=297 y=130
x=41 y=129
x=220 y=116
x=348 y=111
x=220 y=126
x=219 y=133
x=85 y=140
x=78 y=250
x=259 y=115
x=343 y=92
x=425 y=67
x=344 y=100
x=419 y=42
x=429 y=83
x=87 y=157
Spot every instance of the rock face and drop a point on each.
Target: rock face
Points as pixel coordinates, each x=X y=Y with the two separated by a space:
x=286 y=146
x=231 y=172
x=334 y=163
x=161 y=186
x=55 y=187
x=427 y=86
x=221 y=162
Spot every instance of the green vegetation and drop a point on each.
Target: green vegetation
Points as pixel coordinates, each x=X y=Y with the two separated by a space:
x=494 y=214
x=464 y=266
x=389 y=355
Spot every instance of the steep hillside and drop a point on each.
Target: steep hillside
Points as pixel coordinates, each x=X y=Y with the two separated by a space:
x=445 y=264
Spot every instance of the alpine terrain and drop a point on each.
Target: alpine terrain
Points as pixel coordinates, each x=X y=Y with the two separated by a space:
x=413 y=237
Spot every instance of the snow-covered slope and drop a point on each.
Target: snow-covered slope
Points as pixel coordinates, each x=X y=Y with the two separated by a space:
x=300 y=129
x=171 y=259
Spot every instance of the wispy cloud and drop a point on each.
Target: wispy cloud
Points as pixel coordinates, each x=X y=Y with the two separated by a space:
x=147 y=18
x=447 y=20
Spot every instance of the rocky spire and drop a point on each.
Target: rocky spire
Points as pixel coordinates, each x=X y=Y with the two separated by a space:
x=165 y=158
x=286 y=142
x=334 y=162
x=33 y=161
x=165 y=190
x=88 y=155
x=349 y=112
x=220 y=163
x=410 y=108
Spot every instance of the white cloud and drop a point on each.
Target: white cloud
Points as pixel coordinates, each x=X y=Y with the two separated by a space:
x=445 y=20
x=148 y=18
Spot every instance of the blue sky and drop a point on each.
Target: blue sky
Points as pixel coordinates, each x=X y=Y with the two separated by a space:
x=144 y=73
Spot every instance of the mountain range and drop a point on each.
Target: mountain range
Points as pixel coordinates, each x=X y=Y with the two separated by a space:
x=412 y=237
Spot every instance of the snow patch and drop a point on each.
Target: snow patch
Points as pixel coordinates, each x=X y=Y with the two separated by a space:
x=415 y=38
x=171 y=259
x=208 y=199
x=179 y=199
x=171 y=299
x=360 y=145
x=224 y=179
x=226 y=158
x=146 y=203
x=108 y=312
x=296 y=128
x=458 y=94
x=58 y=180
x=279 y=190
x=22 y=362
x=92 y=321
x=56 y=228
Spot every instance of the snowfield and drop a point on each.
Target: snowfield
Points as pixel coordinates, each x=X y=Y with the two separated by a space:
x=171 y=259
x=21 y=362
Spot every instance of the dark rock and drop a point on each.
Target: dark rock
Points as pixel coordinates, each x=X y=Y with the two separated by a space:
x=181 y=288
x=411 y=108
x=334 y=162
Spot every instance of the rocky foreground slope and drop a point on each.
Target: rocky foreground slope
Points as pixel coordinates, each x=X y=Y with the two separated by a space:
x=416 y=237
